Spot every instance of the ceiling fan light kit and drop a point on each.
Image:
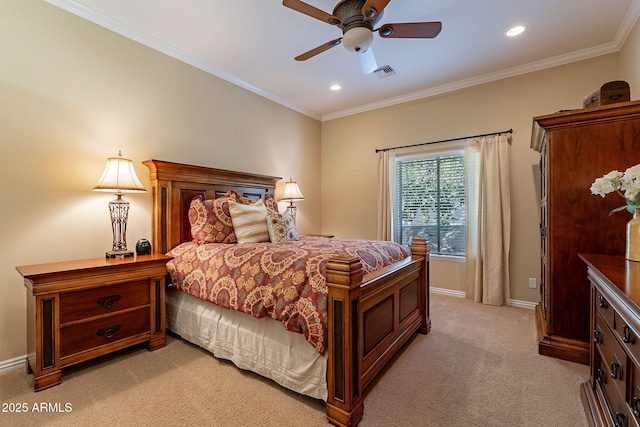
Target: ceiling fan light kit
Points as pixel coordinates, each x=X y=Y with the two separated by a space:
x=357 y=39
x=356 y=19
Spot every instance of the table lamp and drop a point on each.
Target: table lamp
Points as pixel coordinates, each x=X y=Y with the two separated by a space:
x=291 y=194
x=119 y=177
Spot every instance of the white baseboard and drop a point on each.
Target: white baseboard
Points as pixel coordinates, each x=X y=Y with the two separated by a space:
x=13 y=364
x=449 y=292
x=514 y=302
x=523 y=304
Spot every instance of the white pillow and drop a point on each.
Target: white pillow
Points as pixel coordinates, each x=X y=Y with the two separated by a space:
x=249 y=222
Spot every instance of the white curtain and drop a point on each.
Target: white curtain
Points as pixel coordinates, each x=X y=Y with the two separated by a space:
x=488 y=219
x=384 y=196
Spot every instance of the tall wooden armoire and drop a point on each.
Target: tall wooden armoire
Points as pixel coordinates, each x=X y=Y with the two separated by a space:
x=577 y=147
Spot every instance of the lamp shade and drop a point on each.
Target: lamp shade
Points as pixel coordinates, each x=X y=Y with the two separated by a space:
x=292 y=192
x=119 y=176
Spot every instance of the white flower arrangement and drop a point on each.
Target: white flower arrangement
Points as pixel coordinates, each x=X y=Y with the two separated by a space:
x=626 y=184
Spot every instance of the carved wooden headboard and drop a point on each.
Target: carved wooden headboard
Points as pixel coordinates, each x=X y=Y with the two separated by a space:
x=174 y=185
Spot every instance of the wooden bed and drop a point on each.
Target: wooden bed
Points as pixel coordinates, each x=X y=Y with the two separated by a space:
x=369 y=316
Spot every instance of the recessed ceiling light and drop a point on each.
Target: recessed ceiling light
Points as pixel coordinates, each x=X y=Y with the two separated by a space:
x=335 y=87
x=516 y=31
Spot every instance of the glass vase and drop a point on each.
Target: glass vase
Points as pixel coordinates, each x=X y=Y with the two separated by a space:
x=633 y=237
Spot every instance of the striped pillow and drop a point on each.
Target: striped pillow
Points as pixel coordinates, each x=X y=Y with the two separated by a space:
x=249 y=222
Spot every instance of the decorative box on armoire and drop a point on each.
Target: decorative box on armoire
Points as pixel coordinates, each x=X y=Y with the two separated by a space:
x=577 y=147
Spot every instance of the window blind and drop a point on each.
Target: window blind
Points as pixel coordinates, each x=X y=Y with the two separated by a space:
x=431 y=202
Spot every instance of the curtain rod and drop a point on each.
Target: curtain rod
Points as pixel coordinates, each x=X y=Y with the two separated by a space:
x=444 y=140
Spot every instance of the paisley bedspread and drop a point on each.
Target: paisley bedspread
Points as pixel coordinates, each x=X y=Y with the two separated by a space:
x=284 y=280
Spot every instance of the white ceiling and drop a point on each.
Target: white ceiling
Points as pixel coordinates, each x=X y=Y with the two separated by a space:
x=252 y=43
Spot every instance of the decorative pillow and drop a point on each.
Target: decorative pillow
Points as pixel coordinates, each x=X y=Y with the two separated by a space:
x=270 y=203
x=210 y=220
x=281 y=226
x=249 y=222
x=241 y=199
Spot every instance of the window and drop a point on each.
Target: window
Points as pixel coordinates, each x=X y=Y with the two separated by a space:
x=430 y=202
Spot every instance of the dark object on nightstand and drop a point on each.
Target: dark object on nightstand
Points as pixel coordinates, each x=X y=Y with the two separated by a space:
x=143 y=247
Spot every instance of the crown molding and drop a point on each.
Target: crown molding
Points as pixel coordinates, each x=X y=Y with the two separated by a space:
x=475 y=81
x=145 y=39
x=623 y=32
x=120 y=28
x=627 y=25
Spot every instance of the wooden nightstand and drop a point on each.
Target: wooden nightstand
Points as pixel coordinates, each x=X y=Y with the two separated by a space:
x=78 y=310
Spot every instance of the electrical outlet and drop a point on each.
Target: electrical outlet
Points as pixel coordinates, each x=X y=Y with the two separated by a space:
x=533 y=283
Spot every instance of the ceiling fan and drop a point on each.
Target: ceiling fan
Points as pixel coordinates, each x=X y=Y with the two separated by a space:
x=356 y=19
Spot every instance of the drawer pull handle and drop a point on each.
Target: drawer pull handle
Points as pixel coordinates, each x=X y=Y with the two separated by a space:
x=597 y=336
x=108 y=302
x=601 y=376
x=603 y=301
x=636 y=406
x=109 y=332
x=627 y=335
x=620 y=420
x=616 y=369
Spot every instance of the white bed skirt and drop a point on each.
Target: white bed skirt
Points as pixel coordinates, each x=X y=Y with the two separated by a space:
x=263 y=346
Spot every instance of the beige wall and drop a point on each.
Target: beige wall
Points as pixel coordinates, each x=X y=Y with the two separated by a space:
x=349 y=159
x=73 y=94
x=630 y=61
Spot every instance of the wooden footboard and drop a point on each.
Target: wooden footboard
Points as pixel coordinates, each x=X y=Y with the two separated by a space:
x=370 y=318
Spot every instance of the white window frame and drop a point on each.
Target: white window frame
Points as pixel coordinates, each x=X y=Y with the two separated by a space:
x=424 y=152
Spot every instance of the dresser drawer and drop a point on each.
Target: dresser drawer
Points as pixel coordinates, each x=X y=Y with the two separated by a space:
x=604 y=308
x=621 y=414
x=107 y=299
x=635 y=393
x=613 y=356
x=619 y=411
x=88 y=335
x=628 y=336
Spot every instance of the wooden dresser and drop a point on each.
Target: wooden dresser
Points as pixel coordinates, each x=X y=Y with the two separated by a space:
x=78 y=310
x=611 y=397
x=577 y=147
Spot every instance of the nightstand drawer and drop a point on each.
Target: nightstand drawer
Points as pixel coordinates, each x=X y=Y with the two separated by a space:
x=88 y=335
x=107 y=299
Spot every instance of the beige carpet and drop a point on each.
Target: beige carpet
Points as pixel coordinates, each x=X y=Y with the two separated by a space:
x=478 y=367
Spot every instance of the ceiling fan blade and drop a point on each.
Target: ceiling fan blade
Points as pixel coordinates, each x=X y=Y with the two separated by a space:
x=411 y=30
x=319 y=49
x=373 y=8
x=367 y=61
x=311 y=11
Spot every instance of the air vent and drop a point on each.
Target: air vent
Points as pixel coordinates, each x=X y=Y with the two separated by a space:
x=384 y=71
